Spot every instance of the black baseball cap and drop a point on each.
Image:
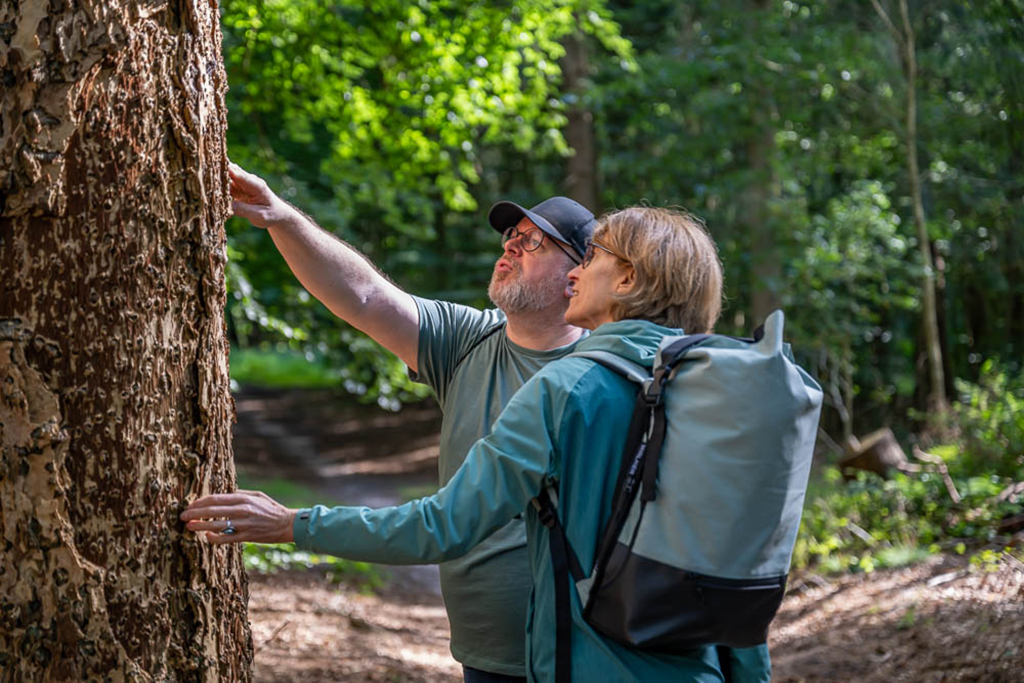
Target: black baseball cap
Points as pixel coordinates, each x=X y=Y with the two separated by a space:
x=559 y=217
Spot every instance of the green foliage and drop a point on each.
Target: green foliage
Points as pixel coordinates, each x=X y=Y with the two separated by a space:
x=870 y=522
x=990 y=415
x=854 y=272
x=376 y=119
x=281 y=368
x=395 y=125
x=269 y=558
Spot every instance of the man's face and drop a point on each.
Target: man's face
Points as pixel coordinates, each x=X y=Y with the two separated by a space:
x=530 y=281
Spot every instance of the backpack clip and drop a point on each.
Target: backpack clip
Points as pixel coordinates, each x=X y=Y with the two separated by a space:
x=545 y=510
x=654 y=388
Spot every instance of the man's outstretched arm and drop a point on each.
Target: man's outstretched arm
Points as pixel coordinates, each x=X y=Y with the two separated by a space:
x=332 y=271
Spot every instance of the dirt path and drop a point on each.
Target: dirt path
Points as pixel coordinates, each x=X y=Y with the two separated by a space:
x=935 y=621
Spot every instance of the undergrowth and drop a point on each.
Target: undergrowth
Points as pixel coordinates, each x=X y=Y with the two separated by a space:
x=871 y=522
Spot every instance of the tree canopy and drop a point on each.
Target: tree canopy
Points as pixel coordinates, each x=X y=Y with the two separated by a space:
x=784 y=125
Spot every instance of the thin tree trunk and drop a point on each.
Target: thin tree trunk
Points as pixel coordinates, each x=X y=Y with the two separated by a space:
x=114 y=403
x=762 y=187
x=766 y=265
x=581 y=178
x=937 y=389
x=936 y=394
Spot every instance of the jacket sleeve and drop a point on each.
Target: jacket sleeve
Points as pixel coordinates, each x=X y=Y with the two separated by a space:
x=500 y=475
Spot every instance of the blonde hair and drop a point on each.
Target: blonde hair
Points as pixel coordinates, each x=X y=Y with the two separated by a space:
x=678 y=273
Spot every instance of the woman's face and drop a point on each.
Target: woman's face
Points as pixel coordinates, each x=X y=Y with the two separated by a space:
x=594 y=284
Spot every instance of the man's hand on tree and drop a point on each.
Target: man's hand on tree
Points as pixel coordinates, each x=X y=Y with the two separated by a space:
x=254 y=201
x=241 y=516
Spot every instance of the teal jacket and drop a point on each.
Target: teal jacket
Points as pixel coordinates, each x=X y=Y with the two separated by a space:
x=567 y=427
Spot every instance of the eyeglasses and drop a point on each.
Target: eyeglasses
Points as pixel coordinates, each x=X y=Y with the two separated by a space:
x=531 y=240
x=588 y=255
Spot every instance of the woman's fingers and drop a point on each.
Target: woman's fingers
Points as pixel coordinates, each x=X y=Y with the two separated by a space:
x=218 y=512
x=221 y=539
x=254 y=516
x=236 y=498
x=216 y=526
x=230 y=505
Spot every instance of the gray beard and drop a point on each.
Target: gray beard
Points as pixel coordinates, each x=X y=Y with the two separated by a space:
x=514 y=296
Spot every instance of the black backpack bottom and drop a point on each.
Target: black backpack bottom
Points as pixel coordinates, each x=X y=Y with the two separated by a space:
x=662 y=609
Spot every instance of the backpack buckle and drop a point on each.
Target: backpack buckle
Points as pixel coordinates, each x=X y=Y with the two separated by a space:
x=545 y=510
x=654 y=388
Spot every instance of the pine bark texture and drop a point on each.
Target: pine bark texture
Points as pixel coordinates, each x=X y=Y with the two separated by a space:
x=114 y=401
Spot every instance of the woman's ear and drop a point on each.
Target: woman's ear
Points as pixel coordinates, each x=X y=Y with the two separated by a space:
x=626 y=279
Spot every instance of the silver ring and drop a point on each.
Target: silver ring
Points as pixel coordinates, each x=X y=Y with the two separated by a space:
x=229 y=529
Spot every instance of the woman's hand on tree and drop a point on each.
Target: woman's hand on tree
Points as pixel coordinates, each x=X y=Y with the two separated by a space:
x=253 y=515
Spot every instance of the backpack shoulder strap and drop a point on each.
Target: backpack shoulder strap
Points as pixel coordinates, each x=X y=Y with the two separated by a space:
x=565 y=567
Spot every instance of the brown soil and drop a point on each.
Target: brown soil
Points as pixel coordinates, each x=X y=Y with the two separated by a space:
x=308 y=630
x=935 y=621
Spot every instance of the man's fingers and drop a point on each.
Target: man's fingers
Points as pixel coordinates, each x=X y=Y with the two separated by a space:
x=248 y=192
x=236 y=171
x=251 y=212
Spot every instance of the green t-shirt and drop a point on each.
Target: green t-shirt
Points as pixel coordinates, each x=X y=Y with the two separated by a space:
x=486 y=592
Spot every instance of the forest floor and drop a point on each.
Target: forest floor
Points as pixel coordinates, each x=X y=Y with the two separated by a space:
x=938 y=620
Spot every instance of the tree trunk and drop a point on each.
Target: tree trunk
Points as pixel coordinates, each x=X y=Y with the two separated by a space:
x=763 y=187
x=581 y=177
x=937 y=404
x=761 y=190
x=114 y=403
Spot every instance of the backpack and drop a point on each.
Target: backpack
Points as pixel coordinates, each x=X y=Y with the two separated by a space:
x=707 y=502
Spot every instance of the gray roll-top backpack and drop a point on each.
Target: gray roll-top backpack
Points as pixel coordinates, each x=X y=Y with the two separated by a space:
x=707 y=502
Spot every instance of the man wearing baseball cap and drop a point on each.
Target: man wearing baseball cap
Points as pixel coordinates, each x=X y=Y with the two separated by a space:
x=473 y=360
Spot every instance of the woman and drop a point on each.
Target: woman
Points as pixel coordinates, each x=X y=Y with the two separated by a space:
x=648 y=273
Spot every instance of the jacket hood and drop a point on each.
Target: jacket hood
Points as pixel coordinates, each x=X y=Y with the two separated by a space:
x=634 y=340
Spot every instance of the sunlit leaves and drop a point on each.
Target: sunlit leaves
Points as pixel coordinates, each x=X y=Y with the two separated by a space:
x=373 y=118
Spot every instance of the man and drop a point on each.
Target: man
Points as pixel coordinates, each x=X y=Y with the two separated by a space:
x=474 y=360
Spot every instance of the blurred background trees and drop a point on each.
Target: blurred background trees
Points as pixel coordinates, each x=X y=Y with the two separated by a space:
x=848 y=158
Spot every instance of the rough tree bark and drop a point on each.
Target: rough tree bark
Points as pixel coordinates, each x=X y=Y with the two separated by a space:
x=114 y=402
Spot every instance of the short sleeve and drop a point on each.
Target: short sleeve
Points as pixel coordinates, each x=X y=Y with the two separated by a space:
x=447 y=332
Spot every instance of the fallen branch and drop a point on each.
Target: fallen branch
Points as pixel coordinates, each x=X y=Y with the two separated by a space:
x=861 y=533
x=940 y=465
x=273 y=635
x=1011 y=491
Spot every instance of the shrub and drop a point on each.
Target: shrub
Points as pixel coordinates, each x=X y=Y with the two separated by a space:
x=872 y=522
